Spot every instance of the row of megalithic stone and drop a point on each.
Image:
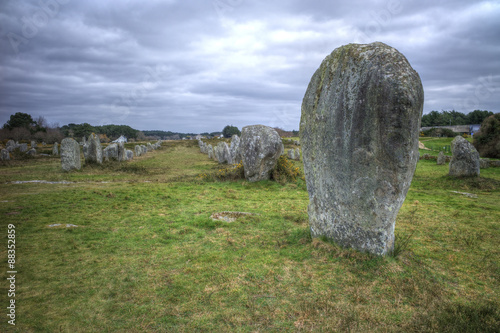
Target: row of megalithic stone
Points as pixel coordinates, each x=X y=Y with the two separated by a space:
x=223 y=153
x=258 y=149
x=231 y=154
x=23 y=147
x=93 y=152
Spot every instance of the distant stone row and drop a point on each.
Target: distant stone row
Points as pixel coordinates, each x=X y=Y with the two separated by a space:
x=94 y=153
x=258 y=148
x=22 y=147
x=465 y=161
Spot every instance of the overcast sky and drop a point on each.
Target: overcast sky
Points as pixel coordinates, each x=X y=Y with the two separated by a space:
x=196 y=66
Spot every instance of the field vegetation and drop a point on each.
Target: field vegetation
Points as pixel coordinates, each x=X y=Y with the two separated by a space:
x=146 y=256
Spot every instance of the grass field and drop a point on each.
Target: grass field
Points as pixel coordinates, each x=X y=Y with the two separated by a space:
x=147 y=257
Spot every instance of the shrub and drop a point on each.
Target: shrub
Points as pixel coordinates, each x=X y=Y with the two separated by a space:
x=285 y=171
x=441 y=132
x=487 y=140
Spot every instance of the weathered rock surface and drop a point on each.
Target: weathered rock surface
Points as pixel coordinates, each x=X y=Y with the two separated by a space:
x=224 y=155
x=138 y=150
x=122 y=155
x=130 y=154
x=441 y=159
x=93 y=150
x=261 y=147
x=11 y=145
x=111 y=152
x=70 y=155
x=465 y=159
x=5 y=155
x=55 y=150
x=235 y=149
x=294 y=154
x=31 y=152
x=484 y=163
x=23 y=147
x=359 y=134
x=297 y=154
x=210 y=151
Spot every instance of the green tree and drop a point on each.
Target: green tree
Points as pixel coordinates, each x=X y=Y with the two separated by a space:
x=230 y=130
x=20 y=119
x=487 y=140
x=433 y=118
x=478 y=116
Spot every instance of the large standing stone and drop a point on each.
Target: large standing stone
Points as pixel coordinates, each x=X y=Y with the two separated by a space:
x=235 y=149
x=55 y=150
x=441 y=160
x=465 y=159
x=150 y=146
x=224 y=155
x=122 y=154
x=23 y=147
x=210 y=151
x=93 y=150
x=130 y=154
x=359 y=134
x=70 y=155
x=5 y=155
x=138 y=150
x=11 y=145
x=111 y=152
x=261 y=147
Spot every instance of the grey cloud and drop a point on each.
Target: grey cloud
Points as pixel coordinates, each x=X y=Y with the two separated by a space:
x=240 y=62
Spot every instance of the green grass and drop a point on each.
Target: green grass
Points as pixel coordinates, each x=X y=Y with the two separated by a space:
x=146 y=257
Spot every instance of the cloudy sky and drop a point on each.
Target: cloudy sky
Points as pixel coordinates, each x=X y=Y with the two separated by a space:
x=196 y=66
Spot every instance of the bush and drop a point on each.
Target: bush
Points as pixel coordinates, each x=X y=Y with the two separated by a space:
x=285 y=171
x=487 y=140
x=441 y=132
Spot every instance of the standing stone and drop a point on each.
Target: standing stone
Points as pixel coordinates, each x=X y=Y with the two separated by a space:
x=70 y=155
x=5 y=155
x=130 y=154
x=33 y=144
x=484 y=163
x=235 y=149
x=138 y=150
x=11 y=145
x=261 y=147
x=441 y=160
x=23 y=147
x=31 y=152
x=144 y=149
x=210 y=151
x=55 y=150
x=359 y=134
x=216 y=153
x=297 y=154
x=111 y=152
x=93 y=150
x=224 y=155
x=464 y=160
x=291 y=154
x=149 y=147
x=122 y=155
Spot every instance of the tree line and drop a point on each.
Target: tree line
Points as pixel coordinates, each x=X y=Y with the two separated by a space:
x=451 y=118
